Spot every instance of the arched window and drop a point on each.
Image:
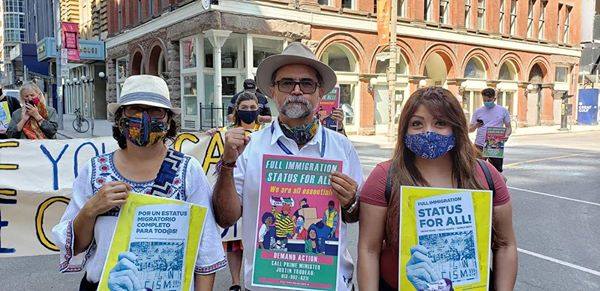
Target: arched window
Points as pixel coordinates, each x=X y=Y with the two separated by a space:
x=536 y=75
x=339 y=58
x=507 y=72
x=136 y=64
x=156 y=63
x=401 y=66
x=475 y=69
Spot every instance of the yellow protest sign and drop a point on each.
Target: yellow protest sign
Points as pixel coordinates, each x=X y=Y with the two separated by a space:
x=452 y=229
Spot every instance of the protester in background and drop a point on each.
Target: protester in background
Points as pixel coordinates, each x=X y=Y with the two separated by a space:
x=34 y=120
x=433 y=150
x=245 y=114
x=297 y=81
x=8 y=105
x=144 y=121
x=264 y=115
x=334 y=121
x=490 y=115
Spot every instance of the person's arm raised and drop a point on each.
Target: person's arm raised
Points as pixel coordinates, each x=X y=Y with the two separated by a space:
x=227 y=204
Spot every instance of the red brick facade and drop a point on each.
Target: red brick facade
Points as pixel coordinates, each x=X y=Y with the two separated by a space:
x=534 y=54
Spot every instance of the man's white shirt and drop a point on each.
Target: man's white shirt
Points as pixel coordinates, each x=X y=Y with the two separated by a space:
x=247 y=176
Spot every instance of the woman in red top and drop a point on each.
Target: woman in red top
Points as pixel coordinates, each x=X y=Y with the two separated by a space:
x=433 y=150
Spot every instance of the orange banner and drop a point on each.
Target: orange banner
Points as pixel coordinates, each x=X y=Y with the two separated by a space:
x=384 y=8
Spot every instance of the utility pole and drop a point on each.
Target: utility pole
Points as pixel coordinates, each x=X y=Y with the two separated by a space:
x=391 y=74
x=58 y=41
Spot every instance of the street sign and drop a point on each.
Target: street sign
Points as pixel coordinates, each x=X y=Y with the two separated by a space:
x=64 y=57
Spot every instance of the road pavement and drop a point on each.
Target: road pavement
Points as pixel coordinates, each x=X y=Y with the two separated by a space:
x=554 y=183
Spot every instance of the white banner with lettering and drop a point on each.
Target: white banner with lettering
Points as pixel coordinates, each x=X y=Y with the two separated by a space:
x=36 y=180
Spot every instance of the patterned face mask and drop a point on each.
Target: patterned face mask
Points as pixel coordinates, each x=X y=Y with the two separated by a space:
x=429 y=145
x=142 y=130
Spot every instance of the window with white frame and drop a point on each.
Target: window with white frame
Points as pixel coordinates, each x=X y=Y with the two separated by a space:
x=501 y=19
x=468 y=10
x=530 y=18
x=190 y=73
x=188 y=53
x=481 y=14
x=402 y=8
x=121 y=73
x=567 y=25
x=513 y=17
x=562 y=75
x=542 y=21
x=230 y=54
x=444 y=11
x=428 y=9
x=324 y=2
x=263 y=48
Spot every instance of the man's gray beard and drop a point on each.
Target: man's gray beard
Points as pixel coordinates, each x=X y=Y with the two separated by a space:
x=296 y=109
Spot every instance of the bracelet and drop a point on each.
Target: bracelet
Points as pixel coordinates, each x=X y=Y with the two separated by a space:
x=227 y=165
x=353 y=206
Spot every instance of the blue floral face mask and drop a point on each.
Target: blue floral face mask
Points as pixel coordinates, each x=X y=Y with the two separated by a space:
x=429 y=145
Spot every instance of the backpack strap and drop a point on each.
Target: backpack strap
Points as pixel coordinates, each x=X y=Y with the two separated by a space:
x=488 y=176
x=167 y=173
x=388 y=186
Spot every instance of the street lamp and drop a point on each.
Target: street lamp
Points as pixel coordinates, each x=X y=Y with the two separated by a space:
x=101 y=75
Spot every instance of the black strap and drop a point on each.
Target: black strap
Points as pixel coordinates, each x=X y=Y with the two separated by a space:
x=488 y=176
x=388 y=185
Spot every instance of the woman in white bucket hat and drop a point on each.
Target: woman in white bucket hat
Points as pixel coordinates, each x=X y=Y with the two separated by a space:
x=143 y=122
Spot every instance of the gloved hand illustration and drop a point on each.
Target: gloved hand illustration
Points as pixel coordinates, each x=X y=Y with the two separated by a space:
x=125 y=275
x=420 y=270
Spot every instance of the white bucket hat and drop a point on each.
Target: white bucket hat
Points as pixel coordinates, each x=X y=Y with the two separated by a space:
x=295 y=53
x=144 y=90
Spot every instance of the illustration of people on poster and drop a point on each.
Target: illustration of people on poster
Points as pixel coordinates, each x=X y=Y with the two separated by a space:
x=164 y=235
x=4 y=116
x=452 y=229
x=329 y=102
x=298 y=225
x=495 y=137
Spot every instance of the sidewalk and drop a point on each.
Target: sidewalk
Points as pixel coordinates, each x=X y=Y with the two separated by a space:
x=383 y=141
x=101 y=128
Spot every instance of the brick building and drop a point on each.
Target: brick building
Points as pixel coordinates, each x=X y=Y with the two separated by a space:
x=528 y=50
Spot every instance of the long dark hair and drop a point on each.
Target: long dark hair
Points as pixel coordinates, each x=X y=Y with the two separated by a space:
x=244 y=96
x=122 y=140
x=442 y=104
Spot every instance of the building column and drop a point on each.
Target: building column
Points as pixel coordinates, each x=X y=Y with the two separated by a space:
x=249 y=56
x=217 y=38
x=172 y=72
x=522 y=104
x=547 y=114
x=366 y=118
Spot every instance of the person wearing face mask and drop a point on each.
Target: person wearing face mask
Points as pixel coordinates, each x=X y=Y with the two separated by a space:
x=296 y=81
x=433 y=150
x=245 y=115
x=34 y=120
x=144 y=121
x=490 y=115
x=264 y=111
